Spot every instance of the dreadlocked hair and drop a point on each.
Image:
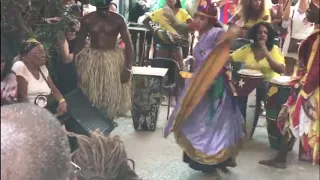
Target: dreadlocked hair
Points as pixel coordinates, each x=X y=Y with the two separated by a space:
x=249 y=12
x=102 y=157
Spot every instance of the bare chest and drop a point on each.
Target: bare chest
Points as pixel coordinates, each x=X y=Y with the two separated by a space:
x=104 y=27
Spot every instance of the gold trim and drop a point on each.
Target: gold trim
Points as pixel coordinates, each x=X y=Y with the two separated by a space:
x=203 y=158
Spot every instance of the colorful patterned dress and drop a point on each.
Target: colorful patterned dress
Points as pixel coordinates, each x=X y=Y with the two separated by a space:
x=306 y=87
x=213 y=132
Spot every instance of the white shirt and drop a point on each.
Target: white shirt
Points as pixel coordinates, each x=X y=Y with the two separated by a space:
x=35 y=86
x=300 y=28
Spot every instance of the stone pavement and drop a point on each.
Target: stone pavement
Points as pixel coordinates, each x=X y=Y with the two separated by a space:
x=158 y=158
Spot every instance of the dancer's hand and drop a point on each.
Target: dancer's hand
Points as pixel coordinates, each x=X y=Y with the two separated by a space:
x=125 y=75
x=308 y=108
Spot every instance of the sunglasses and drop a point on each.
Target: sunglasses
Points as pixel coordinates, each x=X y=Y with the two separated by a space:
x=73 y=30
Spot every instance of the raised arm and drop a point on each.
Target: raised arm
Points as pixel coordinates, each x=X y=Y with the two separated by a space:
x=234 y=19
x=277 y=14
x=82 y=36
x=67 y=57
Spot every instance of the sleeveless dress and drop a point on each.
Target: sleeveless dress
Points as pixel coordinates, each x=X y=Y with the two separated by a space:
x=215 y=127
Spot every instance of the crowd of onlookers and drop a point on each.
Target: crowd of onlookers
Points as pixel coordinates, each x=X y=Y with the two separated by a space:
x=31 y=135
x=34 y=145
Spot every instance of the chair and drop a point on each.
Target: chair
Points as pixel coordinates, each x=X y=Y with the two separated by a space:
x=173 y=82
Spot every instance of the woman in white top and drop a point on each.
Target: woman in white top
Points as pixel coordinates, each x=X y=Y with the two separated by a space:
x=31 y=73
x=299 y=28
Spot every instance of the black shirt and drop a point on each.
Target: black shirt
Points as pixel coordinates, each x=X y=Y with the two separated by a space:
x=67 y=73
x=136 y=10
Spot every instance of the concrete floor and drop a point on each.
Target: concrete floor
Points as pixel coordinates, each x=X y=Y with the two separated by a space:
x=158 y=158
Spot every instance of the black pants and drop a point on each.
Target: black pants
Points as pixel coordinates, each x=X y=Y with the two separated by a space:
x=261 y=94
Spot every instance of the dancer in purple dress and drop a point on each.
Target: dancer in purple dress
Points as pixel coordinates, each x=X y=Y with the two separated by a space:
x=212 y=134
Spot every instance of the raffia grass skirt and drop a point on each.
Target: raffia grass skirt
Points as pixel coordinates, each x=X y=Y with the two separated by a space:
x=99 y=79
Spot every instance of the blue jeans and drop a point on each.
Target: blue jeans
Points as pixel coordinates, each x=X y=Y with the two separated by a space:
x=261 y=94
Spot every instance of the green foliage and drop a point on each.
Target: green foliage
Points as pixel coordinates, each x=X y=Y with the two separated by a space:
x=18 y=23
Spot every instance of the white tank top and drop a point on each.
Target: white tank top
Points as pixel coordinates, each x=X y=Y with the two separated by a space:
x=35 y=86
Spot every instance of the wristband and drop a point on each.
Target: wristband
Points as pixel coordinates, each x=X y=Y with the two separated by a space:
x=62 y=100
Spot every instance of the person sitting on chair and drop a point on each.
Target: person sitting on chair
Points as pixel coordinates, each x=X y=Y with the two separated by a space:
x=34 y=82
x=168 y=47
x=262 y=55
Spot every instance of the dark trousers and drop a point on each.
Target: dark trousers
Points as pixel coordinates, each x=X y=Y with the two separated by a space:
x=261 y=94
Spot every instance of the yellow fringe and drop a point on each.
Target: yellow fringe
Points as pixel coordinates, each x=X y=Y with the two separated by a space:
x=99 y=78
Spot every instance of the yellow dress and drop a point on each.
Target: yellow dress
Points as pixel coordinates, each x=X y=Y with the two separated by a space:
x=246 y=56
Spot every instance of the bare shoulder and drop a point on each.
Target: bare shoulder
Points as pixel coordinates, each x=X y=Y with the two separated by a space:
x=118 y=17
x=88 y=18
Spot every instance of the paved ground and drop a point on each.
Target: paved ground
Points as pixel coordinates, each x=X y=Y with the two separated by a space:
x=161 y=159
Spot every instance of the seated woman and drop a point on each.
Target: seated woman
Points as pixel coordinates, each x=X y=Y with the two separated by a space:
x=33 y=77
x=254 y=11
x=169 y=50
x=262 y=55
x=210 y=133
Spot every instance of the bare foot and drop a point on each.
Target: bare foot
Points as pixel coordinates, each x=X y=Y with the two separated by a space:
x=273 y=163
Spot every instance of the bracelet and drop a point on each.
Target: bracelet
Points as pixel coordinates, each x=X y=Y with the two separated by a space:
x=62 y=100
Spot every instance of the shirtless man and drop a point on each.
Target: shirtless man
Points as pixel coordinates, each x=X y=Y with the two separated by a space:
x=104 y=70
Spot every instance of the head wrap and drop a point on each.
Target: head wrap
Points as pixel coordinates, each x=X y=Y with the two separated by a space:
x=207 y=8
x=28 y=45
x=102 y=3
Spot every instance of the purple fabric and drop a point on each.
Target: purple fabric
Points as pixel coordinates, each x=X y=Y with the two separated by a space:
x=210 y=132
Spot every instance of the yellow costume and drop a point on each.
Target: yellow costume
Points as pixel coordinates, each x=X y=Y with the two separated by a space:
x=246 y=56
x=157 y=16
